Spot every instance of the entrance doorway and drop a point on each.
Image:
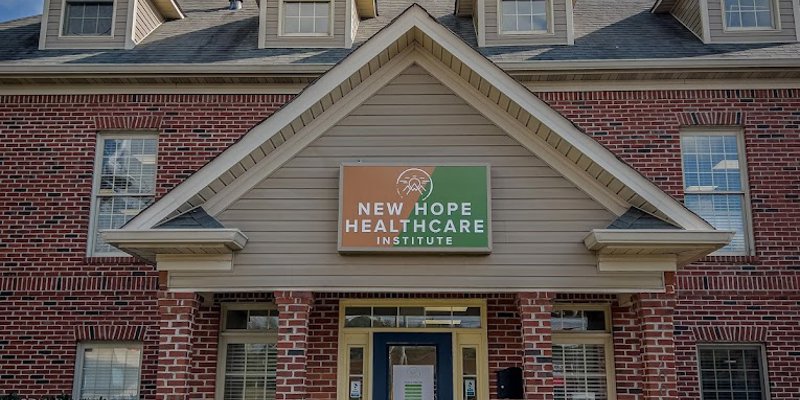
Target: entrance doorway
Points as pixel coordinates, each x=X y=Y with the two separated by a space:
x=413 y=349
x=413 y=366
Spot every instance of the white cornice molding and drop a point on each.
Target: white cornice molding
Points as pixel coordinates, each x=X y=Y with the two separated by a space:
x=589 y=66
x=663 y=249
x=147 y=244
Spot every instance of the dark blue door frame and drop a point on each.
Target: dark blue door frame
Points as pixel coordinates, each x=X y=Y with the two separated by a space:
x=444 y=360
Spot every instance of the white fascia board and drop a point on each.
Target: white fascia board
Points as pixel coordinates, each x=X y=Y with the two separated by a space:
x=662 y=263
x=594 y=66
x=233 y=239
x=602 y=238
x=194 y=262
x=636 y=64
x=164 y=69
x=169 y=9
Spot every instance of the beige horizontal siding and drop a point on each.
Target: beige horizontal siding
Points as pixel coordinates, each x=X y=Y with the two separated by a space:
x=539 y=219
x=147 y=20
x=688 y=13
x=558 y=33
x=786 y=33
x=274 y=39
x=54 y=29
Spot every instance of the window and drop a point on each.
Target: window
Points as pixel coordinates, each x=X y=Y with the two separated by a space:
x=524 y=16
x=743 y=14
x=125 y=174
x=732 y=372
x=248 y=352
x=412 y=317
x=108 y=370
x=715 y=184
x=583 y=354
x=88 y=18
x=306 y=17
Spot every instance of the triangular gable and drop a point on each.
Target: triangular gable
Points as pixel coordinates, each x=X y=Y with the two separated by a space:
x=415 y=37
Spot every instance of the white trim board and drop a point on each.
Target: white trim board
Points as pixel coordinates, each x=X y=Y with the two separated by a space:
x=427 y=27
x=155 y=89
x=293 y=89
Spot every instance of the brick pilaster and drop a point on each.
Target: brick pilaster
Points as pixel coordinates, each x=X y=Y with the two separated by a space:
x=655 y=312
x=294 y=309
x=537 y=362
x=177 y=312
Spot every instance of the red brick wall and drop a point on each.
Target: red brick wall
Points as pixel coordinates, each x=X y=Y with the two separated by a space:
x=734 y=293
x=48 y=288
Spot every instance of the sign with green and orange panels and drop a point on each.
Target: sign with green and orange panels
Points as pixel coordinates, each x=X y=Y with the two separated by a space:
x=423 y=208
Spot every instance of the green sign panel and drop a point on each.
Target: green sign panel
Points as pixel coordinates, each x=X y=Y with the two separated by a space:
x=417 y=208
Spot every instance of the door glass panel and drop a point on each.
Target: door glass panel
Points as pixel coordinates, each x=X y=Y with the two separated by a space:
x=356 y=383
x=469 y=357
x=410 y=369
x=412 y=317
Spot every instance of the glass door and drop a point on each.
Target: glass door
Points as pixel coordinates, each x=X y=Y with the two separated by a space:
x=413 y=366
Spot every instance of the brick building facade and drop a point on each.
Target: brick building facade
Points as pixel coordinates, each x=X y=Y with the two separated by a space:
x=660 y=329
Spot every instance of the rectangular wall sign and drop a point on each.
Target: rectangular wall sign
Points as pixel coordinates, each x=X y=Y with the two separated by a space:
x=414 y=208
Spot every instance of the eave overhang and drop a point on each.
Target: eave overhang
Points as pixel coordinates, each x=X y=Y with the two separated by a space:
x=169 y=9
x=652 y=249
x=157 y=245
x=176 y=69
x=662 y=6
x=367 y=8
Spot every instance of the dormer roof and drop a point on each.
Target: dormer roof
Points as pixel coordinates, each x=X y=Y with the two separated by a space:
x=213 y=40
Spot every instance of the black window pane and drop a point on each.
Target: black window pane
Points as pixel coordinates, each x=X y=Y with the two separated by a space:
x=731 y=373
x=595 y=320
x=88 y=18
x=236 y=319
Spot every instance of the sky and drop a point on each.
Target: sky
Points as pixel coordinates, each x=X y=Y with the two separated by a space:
x=13 y=9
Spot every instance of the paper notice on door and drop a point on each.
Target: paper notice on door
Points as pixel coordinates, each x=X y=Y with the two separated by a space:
x=412 y=382
x=355 y=389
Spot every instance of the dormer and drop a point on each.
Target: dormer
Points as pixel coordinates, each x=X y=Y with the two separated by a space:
x=736 y=21
x=102 y=24
x=312 y=23
x=520 y=22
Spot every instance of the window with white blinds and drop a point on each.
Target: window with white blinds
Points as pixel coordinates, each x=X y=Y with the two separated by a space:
x=582 y=352
x=579 y=372
x=250 y=371
x=732 y=372
x=108 y=371
x=715 y=184
x=248 y=353
x=124 y=185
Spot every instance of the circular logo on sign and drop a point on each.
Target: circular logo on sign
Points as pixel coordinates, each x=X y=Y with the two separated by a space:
x=414 y=180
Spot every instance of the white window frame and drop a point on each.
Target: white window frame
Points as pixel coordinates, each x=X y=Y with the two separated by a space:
x=239 y=336
x=98 y=164
x=550 y=21
x=747 y=217
x=79 y=360
x=331 y=9
x=64 y=16
x=762 y=353
x=776 y=21
x=605 y=338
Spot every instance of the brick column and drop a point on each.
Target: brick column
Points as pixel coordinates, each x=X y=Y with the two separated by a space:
x=177 y=312
x=655 y=312
x=537 y=362
x=293 y=313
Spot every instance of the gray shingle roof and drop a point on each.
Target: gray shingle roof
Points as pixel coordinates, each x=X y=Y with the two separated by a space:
x=196 y=218
x=604 y=30
x=635 y=218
